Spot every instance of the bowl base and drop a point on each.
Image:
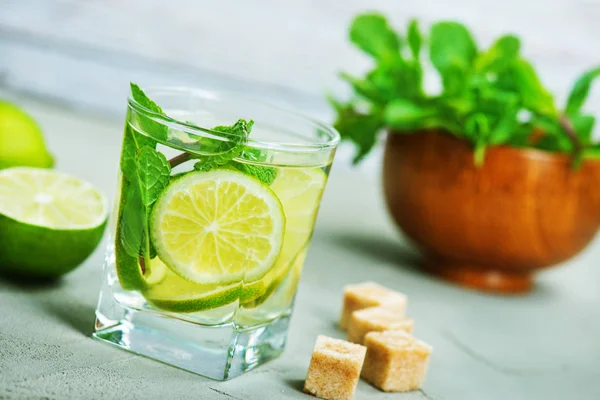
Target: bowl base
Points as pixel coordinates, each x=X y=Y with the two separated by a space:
x=482 y=278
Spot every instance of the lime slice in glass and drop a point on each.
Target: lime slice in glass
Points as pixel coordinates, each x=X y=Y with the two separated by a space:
x=170 y=292
x=218 y=228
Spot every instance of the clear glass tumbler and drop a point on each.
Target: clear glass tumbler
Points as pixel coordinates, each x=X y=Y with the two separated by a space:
x=210 y=228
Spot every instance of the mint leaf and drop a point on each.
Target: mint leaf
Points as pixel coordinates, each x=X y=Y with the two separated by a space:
x=153 y=172
x=236 y=136
x=149 y=126
x=132 y=213
x=477 y=125
x=145 y=174
x=479 y=153
x=554 y=143
x=452 y=51
x=144 y=177
x=522 y=79
x=554 y=138
x=149 y=177
x=500 y=55
x=584 y=125
x=504 y=127
x=547 y=125
x=406 y=115
x=389 y=81
x=414 y=39
x=263 y=173
x=357 y=127
x=132 y=143
x=372 y=34
x=131 y=220
x=142 y=99
x=580 y=91
x=379 y=92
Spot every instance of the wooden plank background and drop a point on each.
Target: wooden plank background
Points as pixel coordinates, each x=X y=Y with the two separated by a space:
x=83 y=53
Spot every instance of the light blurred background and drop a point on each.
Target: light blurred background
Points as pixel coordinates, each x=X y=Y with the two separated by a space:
x=83 y=53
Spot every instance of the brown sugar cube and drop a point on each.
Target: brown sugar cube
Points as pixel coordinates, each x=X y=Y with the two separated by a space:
x=376 y=319
x=395 y=361
x=370 y=294
x=334 y=369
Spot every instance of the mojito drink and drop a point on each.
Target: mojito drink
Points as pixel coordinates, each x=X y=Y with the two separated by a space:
x=211 y=227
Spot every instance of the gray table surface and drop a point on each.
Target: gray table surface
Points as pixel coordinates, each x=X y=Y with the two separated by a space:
x=542 y=346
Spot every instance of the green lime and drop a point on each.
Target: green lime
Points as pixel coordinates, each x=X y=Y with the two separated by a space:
x=218 y=227
x=168 y=291
x=21 y=139
x=49 y=221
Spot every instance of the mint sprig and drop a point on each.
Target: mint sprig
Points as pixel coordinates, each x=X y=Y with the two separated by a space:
x=489 y=97
x=148 y=125
x=146 y=173
x=264 y=174
x=153 y=172
x=236 y=135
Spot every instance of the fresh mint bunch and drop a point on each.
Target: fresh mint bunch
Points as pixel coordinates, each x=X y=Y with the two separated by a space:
x=489 y=97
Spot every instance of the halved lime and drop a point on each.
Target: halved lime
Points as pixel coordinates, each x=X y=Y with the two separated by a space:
x=49 y=221
x=218 y=228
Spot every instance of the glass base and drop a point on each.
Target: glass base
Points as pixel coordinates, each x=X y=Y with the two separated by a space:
x=218 y=352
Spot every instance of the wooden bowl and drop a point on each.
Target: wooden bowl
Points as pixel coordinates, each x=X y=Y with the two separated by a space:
x=491 y=227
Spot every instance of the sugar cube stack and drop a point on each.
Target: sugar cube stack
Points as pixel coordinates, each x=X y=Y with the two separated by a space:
x=395 y=361
x=334 y=369
x=370 y=294
x=380 y=347
x=376 y=319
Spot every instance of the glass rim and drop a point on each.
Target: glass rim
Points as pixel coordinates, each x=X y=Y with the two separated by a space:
x=332 y=140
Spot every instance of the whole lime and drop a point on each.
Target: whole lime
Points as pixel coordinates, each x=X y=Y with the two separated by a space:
x=21 y=139
x=49 y=222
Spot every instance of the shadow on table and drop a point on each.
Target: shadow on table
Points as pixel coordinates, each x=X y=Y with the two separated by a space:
x=389 y=251
x=383 y=249
x=29 y=284
x=296 y=384
x=72 y=312
x=51 y=296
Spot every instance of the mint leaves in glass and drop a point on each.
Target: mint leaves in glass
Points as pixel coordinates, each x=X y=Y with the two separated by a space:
x=210 y=229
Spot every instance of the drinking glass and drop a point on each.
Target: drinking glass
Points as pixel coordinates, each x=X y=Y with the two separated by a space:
x=210 y=228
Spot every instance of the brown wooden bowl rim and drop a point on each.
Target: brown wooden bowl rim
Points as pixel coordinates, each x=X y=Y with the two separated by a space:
x=527 y=153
